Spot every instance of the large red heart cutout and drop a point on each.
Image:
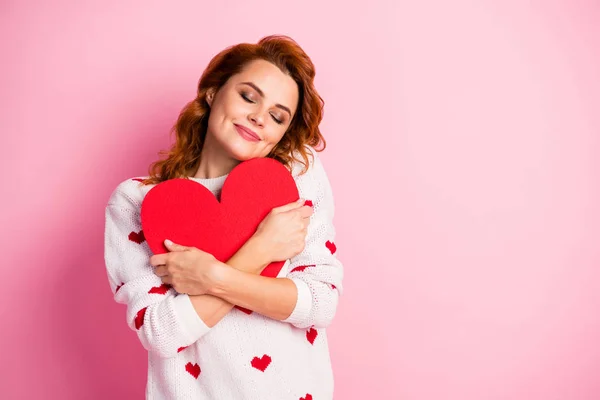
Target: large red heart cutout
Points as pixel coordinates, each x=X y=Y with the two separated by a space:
x=187 y=213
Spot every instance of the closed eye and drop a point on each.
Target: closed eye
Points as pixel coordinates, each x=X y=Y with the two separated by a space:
x=245 y=97
x=276 y=120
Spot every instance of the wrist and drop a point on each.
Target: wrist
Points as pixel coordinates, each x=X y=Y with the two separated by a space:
x=219 y=276
x=259 y=250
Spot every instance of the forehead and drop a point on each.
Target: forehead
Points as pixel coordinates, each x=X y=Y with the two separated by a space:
x=277 y=86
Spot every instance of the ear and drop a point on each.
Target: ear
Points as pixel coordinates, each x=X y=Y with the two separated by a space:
x=210 y=94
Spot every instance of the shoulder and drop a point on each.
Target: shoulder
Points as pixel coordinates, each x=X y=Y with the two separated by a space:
x=315 y=165
x=129 y=193
x=314 y=183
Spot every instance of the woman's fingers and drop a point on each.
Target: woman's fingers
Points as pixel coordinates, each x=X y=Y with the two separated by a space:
x=289 y=207
x=159 y=259
x=161 y=271
x=305 y=211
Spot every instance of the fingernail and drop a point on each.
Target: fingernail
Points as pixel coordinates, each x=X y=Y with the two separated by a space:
x=308 y=203
x=168 y=242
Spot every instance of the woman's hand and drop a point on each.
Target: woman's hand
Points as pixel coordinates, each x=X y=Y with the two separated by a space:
x=282 y=233
x=187 y=269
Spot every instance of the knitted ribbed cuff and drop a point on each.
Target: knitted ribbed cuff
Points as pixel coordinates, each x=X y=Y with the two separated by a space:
x=303 y=303
x=193 y=325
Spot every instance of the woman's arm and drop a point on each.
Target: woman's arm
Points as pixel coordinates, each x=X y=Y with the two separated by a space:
x=272 y=297
x=280 y=236
x=309 y=294
x=213 y=309
x=164 y=320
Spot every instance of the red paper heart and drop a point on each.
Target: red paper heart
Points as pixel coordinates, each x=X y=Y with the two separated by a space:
x=187 y=213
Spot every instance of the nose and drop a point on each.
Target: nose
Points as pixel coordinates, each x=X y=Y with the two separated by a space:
x=257 y=118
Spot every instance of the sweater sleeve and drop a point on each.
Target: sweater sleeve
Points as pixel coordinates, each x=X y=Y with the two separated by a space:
x=316 y=271
x=164 y=320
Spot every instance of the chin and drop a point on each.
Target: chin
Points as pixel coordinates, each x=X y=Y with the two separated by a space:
x=243 y=151
x=241 y=154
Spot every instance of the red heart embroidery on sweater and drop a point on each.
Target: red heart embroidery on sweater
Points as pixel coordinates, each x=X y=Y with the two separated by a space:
x=193 y=369
x=301 y=268
x=187 y=213
x=331 y=246
x=137 y=237
x=162 y=289
x=261 y=363
x=311 y=335
x=139 y=318
x=308 y=397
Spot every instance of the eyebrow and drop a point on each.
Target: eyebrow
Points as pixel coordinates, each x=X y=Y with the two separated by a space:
x=262 y=94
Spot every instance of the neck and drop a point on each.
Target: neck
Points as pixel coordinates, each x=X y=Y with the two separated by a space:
x=213 y=161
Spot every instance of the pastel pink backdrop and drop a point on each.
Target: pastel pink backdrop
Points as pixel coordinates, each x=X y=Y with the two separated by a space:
x=463 y=142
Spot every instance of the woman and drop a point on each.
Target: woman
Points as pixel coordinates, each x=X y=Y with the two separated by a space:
x=253 y=100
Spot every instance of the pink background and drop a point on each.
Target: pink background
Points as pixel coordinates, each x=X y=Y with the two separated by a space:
x=463 y=145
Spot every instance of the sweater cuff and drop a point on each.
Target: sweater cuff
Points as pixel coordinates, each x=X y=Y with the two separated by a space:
x=303 y=303
x=194 y=327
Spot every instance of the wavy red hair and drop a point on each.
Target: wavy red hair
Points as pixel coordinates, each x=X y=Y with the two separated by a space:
x=191 y=126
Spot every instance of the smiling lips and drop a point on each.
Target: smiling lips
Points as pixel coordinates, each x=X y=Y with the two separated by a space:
x=247 y=133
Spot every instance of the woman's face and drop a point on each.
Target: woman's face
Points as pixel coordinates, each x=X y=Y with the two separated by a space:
x=251 y=112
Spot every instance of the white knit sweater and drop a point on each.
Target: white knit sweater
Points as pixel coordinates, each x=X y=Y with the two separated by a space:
x=243 y=356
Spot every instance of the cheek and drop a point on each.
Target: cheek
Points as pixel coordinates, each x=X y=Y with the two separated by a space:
x=216 y=120
x=213 y=124
x=275 y=137
x=235 y=107
x=224 y=108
